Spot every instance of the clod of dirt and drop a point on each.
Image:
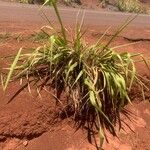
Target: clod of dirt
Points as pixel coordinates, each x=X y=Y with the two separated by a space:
x=25 y=143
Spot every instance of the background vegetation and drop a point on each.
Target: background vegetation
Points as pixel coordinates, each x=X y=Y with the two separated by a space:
x=132 y=6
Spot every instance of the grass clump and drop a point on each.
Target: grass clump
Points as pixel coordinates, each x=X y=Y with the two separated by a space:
x=26 y=1
x=40 y=36
x=96 y=78
x=4 y=37
x=131 y=6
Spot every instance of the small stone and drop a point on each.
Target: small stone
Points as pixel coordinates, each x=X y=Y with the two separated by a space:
x=25 y=143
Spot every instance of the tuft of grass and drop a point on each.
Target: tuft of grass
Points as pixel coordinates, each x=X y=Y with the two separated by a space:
x=70 y=2
x=4 y=37
x=40 y=36
x=96 y=78
x=134 y=6
x=26 y=1
x=31 y=1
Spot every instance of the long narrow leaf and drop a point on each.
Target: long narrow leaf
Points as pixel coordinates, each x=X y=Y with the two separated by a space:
x=12 y=69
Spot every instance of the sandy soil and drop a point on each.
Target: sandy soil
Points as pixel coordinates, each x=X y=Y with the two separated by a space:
x=29 y=122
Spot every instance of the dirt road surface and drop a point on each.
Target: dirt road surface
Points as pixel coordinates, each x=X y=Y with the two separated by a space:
x=23 y=13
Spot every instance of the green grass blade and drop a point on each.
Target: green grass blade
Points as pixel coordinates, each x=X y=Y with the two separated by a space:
x=12 y=69
x=119 y=30
x=101 y=136
x=78 y=77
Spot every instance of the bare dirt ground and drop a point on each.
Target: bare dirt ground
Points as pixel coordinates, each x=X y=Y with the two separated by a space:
x=29 y=122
